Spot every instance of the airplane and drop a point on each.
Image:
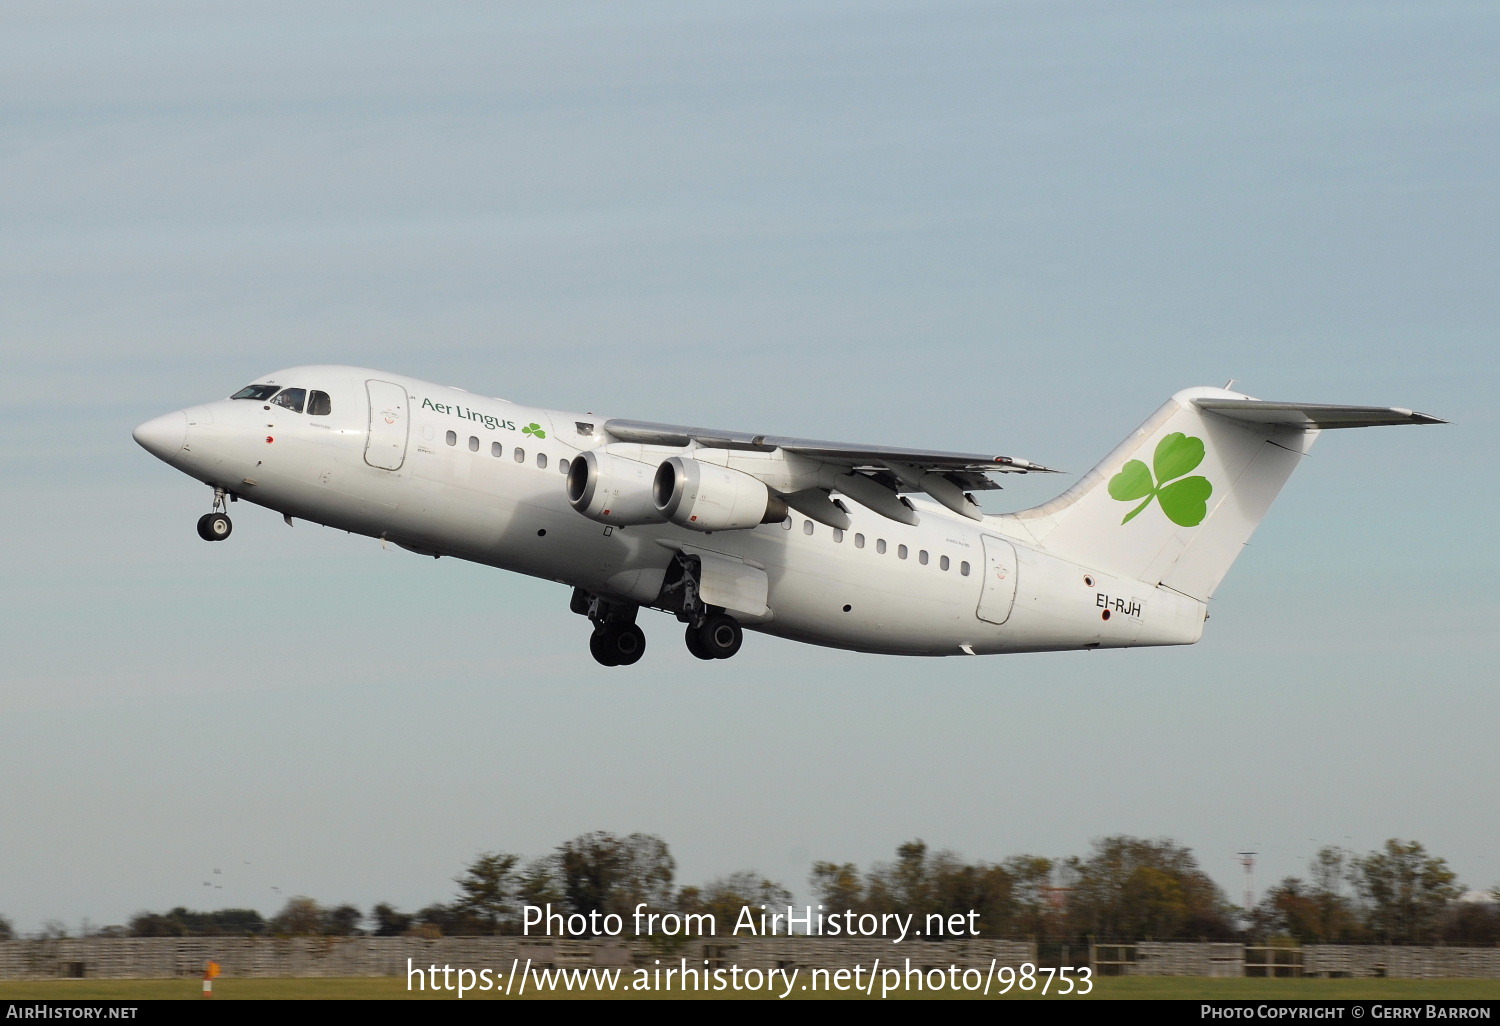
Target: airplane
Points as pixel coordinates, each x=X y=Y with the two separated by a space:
x=861 y=547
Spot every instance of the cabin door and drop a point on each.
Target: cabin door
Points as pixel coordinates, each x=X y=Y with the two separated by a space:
x=385 y=447
x=999 y=593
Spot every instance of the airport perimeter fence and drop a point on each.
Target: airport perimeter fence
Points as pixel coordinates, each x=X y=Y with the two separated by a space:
x=1353 y=961
x=166 y=957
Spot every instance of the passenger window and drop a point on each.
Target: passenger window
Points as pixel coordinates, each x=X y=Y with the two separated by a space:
x=496 y=449
x=452 y=437
x=880 y=545
x=473 y=443
x=901 y=551
x=943 y=563
x=859 y=541
x=838 y=534
x=786 y=525
x=541 y=460
x=562 y=465
x=520 y=455
x=807 y=527
x=963 y=568
x=291 y=398
x=318 y=404
x=922 y=557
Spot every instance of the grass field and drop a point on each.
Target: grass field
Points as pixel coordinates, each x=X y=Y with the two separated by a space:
x=388 y=988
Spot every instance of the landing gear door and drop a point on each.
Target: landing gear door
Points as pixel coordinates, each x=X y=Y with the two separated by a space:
x=741 y=589
x=385 y=446
x=999 y=593
x=730 y=583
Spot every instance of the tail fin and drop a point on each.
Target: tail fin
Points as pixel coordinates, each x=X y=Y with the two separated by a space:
x=1176 y=501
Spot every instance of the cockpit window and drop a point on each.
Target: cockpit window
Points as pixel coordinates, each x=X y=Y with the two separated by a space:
x=291 y=398
x=318 y=404
x=260 y=393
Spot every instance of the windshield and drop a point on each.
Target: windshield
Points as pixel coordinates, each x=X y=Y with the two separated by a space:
x=314 y=402
x=260 y=393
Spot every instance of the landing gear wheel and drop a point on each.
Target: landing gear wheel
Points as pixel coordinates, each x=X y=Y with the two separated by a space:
x=601 y=647
x=695 y=644
x=720 y=637
x=214 y=526
x=630 y=644
x=617 y=644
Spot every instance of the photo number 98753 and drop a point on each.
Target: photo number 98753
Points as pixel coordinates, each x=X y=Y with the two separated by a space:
x=1060 y=980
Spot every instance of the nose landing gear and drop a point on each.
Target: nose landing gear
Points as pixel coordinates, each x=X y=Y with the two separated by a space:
x=215 y=526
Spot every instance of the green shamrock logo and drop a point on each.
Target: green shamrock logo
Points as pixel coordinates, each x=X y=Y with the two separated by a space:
x=1184 y=501
x=535 y=430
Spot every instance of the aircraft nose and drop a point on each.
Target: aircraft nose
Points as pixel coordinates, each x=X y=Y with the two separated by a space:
x=164 y=436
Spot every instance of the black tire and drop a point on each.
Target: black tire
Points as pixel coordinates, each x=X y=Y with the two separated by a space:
x=720 y=636
x=214 y=526
x=630 y=644
x=695 y=644
x=602 y=647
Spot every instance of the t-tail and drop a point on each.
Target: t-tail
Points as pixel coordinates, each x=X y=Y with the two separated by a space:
x=1175 y=502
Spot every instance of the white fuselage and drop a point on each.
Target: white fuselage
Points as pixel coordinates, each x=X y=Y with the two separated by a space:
x=484 y=479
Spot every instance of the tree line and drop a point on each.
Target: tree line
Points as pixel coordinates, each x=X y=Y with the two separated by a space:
x=1397 y=894
x=1125 y=889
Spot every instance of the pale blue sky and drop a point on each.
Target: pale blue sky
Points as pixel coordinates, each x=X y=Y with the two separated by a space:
x=968 y=226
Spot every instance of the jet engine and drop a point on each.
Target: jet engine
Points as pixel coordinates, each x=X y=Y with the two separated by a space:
x=612 y=489
x=705 y=497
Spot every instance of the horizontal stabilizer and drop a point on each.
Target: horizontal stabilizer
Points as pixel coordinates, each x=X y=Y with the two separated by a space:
x=1312 y=415
x=1177 y=500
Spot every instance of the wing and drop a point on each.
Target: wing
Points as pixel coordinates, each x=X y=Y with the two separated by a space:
x=874 y=476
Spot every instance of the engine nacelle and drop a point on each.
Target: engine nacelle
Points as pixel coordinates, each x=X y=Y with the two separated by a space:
x=612 y=489
x=706 y=497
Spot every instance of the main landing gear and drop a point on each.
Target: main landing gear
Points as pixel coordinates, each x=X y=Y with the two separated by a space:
x=616 y=640
x=718 y=637
x=711 y=632
x=617 y=644
x=215 y=526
